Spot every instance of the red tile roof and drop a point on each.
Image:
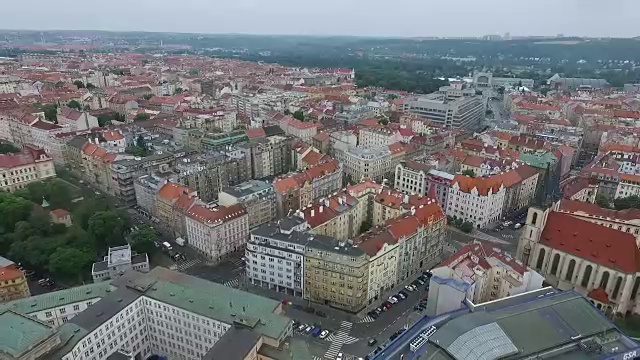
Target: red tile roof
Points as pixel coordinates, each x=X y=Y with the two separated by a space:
x=595 y=211
x=112 y=135
x=602 y=245
x=256 y=133
x=172 y=191
x=599 y=295
x=219 y=214
x=60 y=213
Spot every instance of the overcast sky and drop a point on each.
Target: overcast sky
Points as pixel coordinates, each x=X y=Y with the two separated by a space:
x=332 y=17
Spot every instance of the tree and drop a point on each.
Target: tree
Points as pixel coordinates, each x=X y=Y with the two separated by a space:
x=79 y=84
x=365 y=227
x=51 y=112
x=215 y=130
x=178 y=90
x=107 y=228
x=142 y=117
x=287 y=112
x=74 y=105
x=140 y=142
x=147 y=96
x=501 y=90
x=299 y=114
x=13 y=209
x=466 y=227
x=603 y=201
x=458 y=222
x=142 y=239
x=70 y=263
x=90 y=86
x=384 y=122
x=194 y=72
x=7 y=148
x=469 y=173
x=136 y=150
x=629 y=202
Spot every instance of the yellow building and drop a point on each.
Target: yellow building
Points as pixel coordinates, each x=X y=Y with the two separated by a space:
x=13 y=283
x=336 y=274
x=30 y=165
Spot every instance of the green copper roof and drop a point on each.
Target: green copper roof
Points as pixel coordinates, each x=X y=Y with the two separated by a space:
x=20 y=332
x=58 y=298
x=539 y=160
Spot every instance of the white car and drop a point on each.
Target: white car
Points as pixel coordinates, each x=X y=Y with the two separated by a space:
x=392 y=300
x=339 y=357
x=324 y=334
x=409 y=288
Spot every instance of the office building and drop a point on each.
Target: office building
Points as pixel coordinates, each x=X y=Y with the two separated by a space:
x=217 y=231
x=118 y=261
x=162 y=313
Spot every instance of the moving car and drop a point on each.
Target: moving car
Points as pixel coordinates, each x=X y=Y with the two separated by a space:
x=340 y=356
x=372 y=342
x=167 y=246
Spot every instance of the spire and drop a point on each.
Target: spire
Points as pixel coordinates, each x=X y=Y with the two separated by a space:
x=45 y=204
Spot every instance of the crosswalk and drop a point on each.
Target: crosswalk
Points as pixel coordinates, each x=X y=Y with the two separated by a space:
x=232 y=283
x=184 y=265
x=338 y=339
x=366 y=319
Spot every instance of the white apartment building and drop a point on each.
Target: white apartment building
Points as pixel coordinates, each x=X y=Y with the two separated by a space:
x=275 y=255
x=217 y=231
x=163 y=313
x=490 y=273
x=477 y=200
x=375 y=164
x=375 y=137
x=410 y=178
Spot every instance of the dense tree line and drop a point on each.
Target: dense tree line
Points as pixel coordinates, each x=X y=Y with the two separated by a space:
x=28 y=236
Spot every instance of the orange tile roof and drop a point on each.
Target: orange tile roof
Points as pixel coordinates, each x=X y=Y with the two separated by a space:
x=10 y=272
x=60 y=213
x=172 y=191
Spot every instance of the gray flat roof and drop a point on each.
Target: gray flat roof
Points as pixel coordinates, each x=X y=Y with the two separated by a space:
x=236 y=343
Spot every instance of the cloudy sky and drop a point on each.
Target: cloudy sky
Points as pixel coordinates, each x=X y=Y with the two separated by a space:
x=332 y=17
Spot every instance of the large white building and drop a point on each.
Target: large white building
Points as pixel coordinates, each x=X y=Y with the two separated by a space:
x=21 y=169
x=411 y=177
x=374 y=163
x=476 y=200
x=374 y=137
x=218 y=231
x=275 y=255
x=161 y=313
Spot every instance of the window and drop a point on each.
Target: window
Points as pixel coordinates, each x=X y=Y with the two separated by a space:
x=63 y=311
x=47 y=314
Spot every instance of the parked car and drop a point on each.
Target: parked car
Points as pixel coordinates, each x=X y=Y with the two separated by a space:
x=340 y=356
x=302 y=327
x=324 y=334
x=308 y=329
x=372 y=342
x=404 y=293
x=402 y=296
x=420 y=281
x=387 y=304
x=321 y=313
x=408 y=288
x=392 y=300
x=517 y=226
x=316 y=332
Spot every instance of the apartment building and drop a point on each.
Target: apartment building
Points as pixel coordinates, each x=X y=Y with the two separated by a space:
x=218 y=231
x=337 y=216
x=390 y=203
x=336 y=274
x=173 y=200
x=374 y=137
x=411 y=177
x=359 y=163
x=124 y=172
x=146 y=187
x=119 y=260
x=163 y=313
x=438 y=184
x=304 y=131
x=490 y=273
x=76 y=120
x=270 y=156
x=298 y=190
x=30 y=165
x=13 y=282
x=257 y=197
x=275 y=255
x=476 y=200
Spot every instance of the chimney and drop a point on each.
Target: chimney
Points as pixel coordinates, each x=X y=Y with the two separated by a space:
x=406 y=199
x=321 y=208
x=313 y=212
